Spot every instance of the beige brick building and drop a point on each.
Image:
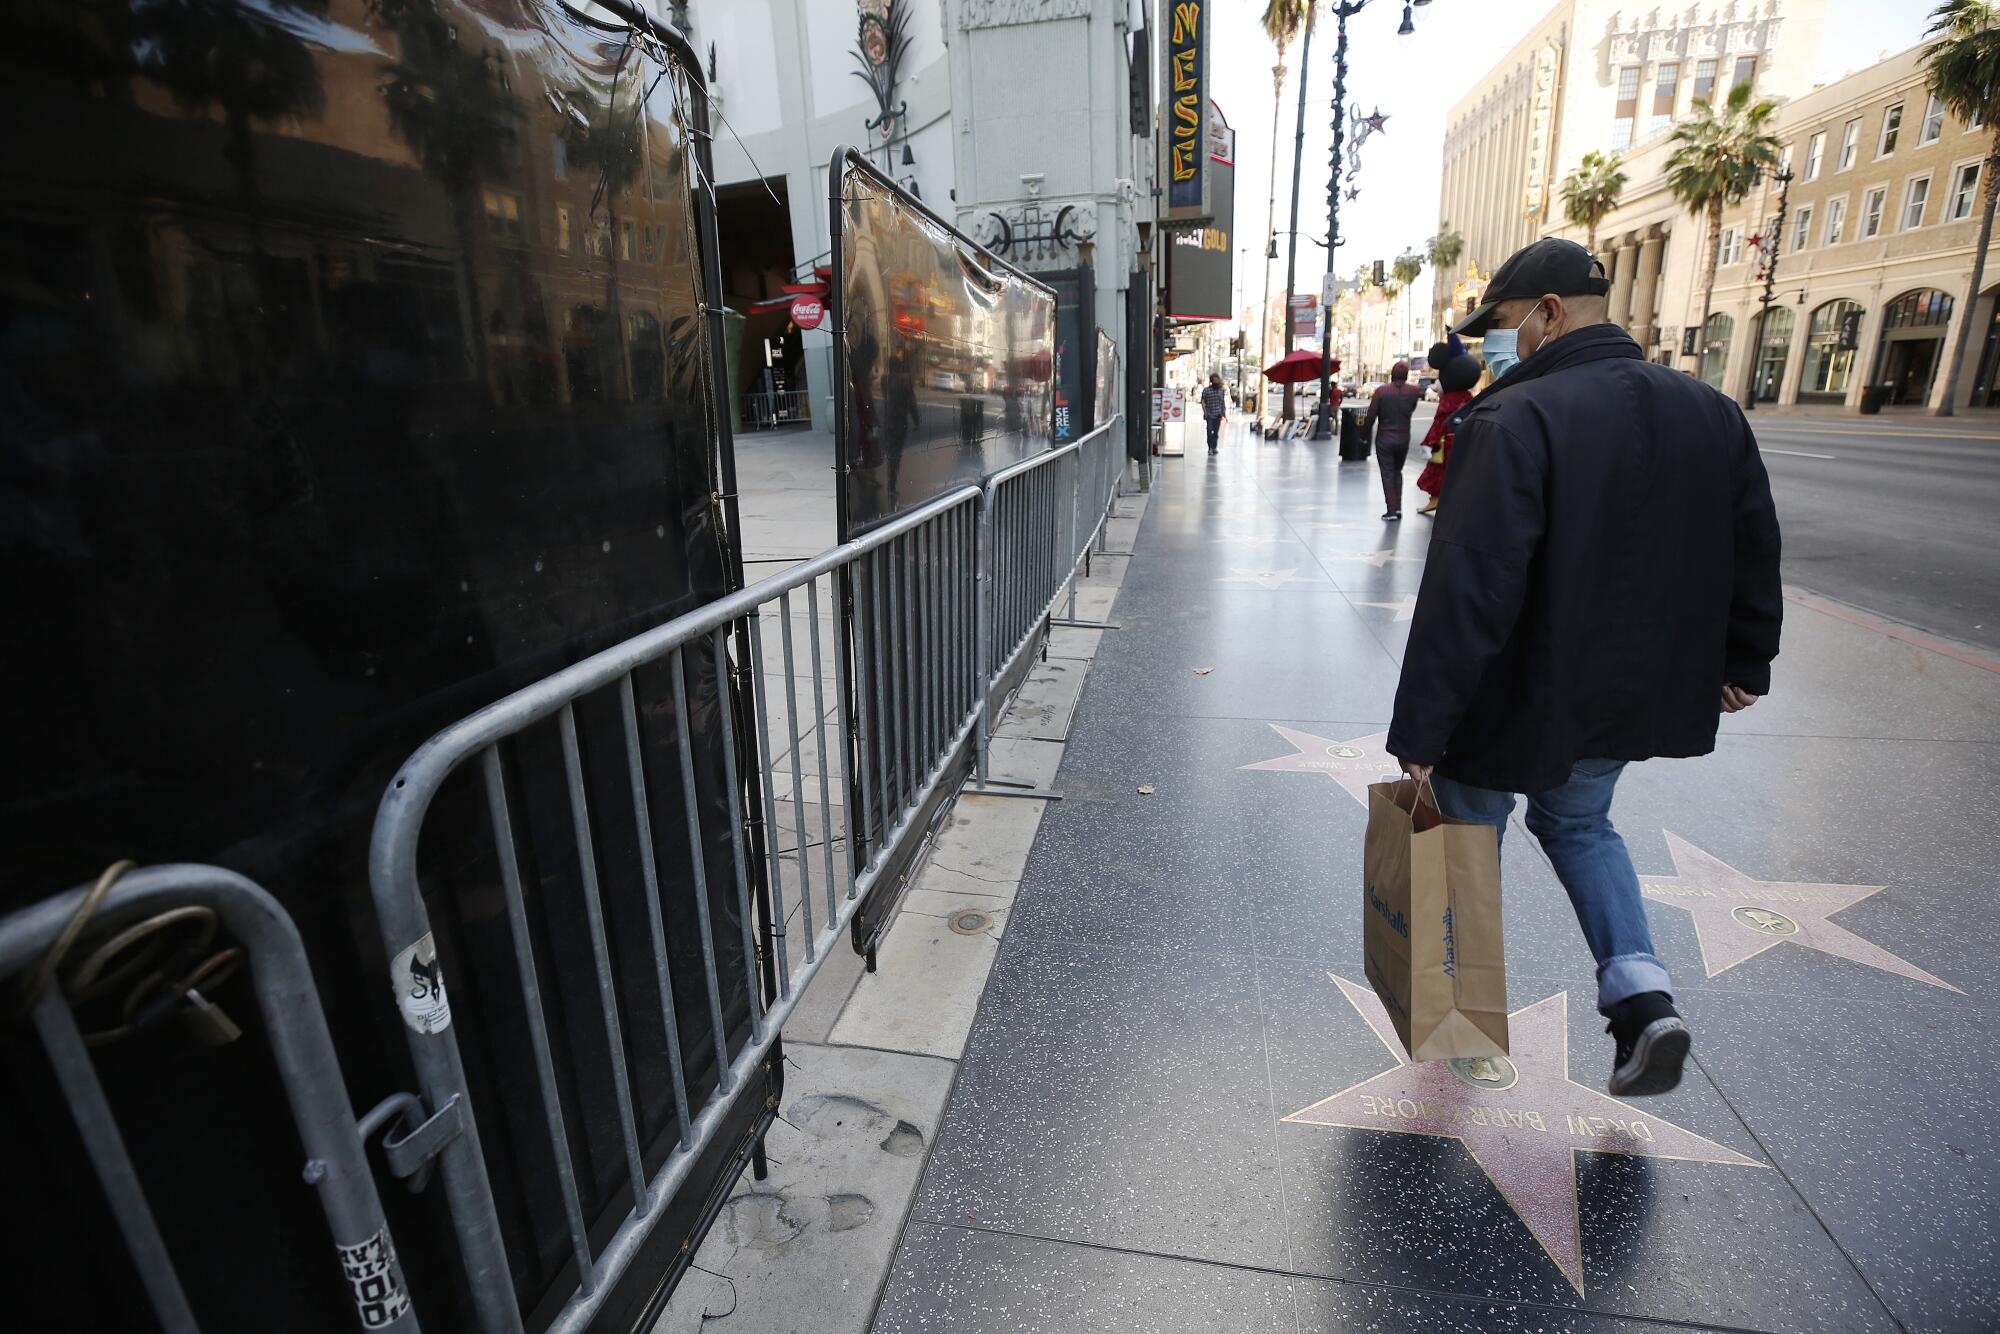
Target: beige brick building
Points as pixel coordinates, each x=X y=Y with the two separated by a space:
x=1609 y=75
x=1875 y=258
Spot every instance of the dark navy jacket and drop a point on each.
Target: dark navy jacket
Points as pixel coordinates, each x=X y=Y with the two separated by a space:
x=1605 y=560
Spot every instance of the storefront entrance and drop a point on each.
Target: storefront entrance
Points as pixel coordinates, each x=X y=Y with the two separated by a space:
x=1913 y=329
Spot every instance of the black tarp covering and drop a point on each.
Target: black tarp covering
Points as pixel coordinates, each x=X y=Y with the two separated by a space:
x=351 y=376
x=1108 y=385
x=947 y=355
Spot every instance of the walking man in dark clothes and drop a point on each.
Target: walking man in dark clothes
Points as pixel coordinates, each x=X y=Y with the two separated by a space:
x=1389 y=412
x=1214 y=406
x=1603 y=585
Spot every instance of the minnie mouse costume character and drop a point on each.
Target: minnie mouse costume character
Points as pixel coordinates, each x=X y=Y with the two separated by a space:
x=1458 y=370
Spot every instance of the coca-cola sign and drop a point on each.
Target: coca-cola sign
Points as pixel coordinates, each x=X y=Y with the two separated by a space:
x=808 y=311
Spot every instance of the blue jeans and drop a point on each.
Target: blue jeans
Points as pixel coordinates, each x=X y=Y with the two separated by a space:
x=1214 y=425
x=1573 y=823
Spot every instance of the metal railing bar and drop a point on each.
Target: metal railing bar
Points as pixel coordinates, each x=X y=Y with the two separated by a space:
x=819 y=744
x=600 y=952
x=719 y=649
x=116 y=1176
x=878 y=599
x=889 y=661
x=847 y=778
x=642 y=817
x=773 y=859
x=798 y=776
x=698 y=867
x=531 y=1003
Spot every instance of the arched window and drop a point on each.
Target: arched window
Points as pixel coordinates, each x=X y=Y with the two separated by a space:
x=1715 y=347
x=1774 y=348
x=1920 y=309
x=1829 y=367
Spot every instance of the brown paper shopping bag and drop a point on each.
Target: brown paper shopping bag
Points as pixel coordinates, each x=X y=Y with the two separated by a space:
x=1430 y=932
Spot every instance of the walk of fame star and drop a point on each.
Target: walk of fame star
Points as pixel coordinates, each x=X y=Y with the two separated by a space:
x=1353 y=764
x=1405 y=607
x=1522 y=1118
x=1266 y=579
x=1737 y=918
x=1376 y=558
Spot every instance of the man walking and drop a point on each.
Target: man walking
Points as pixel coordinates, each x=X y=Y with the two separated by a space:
x=1214 y=404
x=1603 y=585
x=1389 y=411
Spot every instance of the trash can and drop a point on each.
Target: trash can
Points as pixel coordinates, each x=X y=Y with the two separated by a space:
x=1353 y=447
x=1874 y=396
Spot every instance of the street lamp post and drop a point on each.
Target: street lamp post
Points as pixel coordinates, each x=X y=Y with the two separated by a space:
x=1772 y=243
x=1342 y=11
x=1292 y=252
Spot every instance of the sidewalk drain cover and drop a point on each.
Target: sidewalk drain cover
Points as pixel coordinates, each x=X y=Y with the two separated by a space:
x=970 y=922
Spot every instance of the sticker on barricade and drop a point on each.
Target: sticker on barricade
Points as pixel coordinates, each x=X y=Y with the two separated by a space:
x=419 y=984
x=370 y=1267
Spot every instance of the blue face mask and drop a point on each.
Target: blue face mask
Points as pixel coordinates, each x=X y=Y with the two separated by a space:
x=1501 y=350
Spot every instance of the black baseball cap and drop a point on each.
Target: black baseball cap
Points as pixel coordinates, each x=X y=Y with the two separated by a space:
x=1550 y=265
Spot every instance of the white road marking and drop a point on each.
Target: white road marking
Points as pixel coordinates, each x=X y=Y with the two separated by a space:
x=1795 y=453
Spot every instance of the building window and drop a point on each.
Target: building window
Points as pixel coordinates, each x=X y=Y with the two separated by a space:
x=1933 y=122
x=1892 y=124
x=1628 y=107
x=1715 y=348
x=628 y=236
x=503 y=214
x=559 y=155
x=1871 y=211
x=1836 y=220
x=1915 y=195
x=1704 y=80
x=1746 y=71
x=1665 y=86
x=1829 y=367
x=1850 y=138
x=1772 y=349
x=562 y=228
x=1964 y=182
x=1815 y=149
x=1802 y=229
x=1923 y=309
x=1730 y=251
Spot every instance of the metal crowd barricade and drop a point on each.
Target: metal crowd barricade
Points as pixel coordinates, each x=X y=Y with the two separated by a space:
x=1040 y=517
x=335 y=1164
x=946 y=597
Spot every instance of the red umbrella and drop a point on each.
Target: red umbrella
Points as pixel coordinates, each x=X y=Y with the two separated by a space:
x=1297 y=367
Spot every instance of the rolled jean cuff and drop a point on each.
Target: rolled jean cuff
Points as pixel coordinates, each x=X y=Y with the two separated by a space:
x=1626 y=975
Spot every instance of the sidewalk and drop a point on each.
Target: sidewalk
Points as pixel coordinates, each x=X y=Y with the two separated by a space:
x=1178 y=1110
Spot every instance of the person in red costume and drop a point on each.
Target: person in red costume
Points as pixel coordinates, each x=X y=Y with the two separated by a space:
x=1458 y=371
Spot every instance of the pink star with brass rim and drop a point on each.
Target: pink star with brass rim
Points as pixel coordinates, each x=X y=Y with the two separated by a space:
x=1353 y=764
x=1737 y=918
x=1521 y=1117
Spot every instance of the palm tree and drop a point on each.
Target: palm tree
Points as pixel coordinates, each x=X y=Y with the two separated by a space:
x=1283 y=21
x=1591 y=191
x=1406 y=267
x=610 y=140
x=1444 y=250
x=1721 y=154
x=1964 y=68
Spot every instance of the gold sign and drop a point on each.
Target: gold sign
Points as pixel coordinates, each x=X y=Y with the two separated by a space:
x=1541 y=132
x=1186 y=165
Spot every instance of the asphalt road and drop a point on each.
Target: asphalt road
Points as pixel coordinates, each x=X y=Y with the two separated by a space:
x=1896 y=515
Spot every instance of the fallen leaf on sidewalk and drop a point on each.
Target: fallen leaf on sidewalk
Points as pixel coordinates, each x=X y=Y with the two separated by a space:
x=1203 y=671
x=1145 y=789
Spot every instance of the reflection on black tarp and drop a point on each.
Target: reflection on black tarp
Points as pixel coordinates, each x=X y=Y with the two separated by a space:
x=353 y=376
x=1108 y=385
x=949 y=357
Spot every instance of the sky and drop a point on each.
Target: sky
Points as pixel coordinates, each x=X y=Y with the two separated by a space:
x=1413 y=81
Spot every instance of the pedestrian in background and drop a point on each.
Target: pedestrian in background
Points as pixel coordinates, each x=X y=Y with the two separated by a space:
x=1214 y=406
x=1603 y=587
x=1389 y=411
